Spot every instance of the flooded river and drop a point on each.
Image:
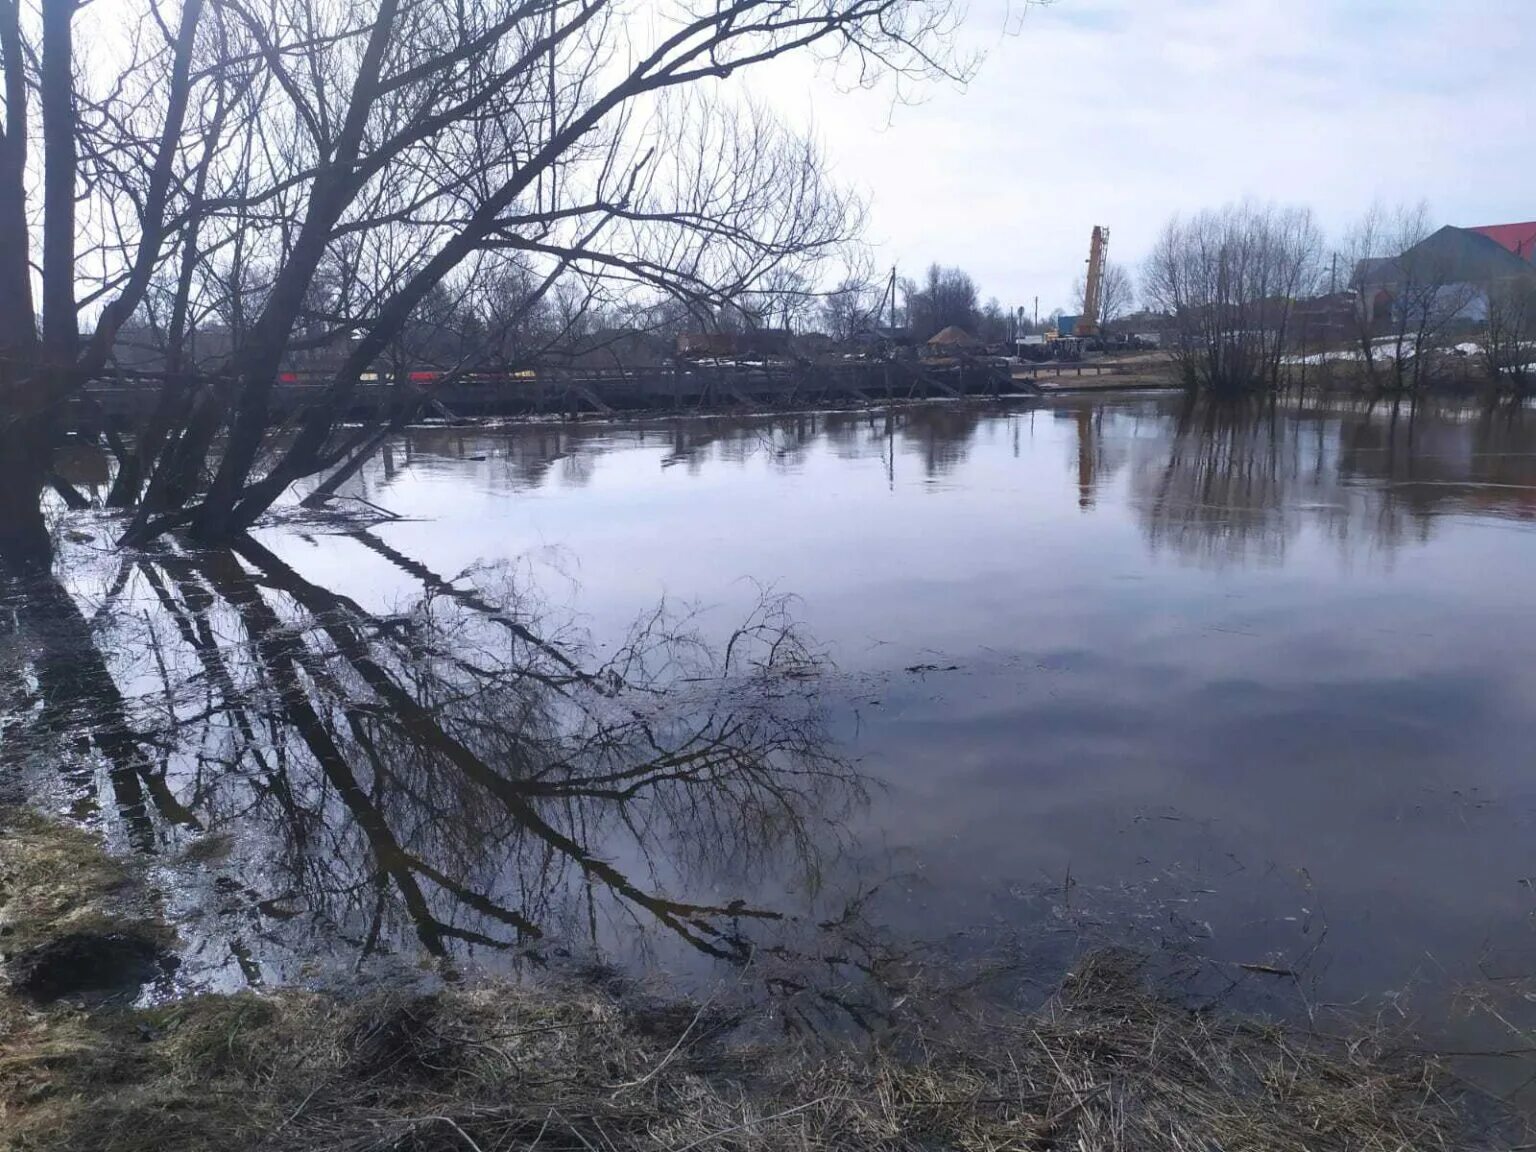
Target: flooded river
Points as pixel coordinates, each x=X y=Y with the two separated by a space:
x=1256 y=688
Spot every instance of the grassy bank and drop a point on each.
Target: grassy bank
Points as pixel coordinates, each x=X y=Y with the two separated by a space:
x=1104 y=1064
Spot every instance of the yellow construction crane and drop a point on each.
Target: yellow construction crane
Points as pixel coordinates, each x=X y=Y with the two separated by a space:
x=1093 y=293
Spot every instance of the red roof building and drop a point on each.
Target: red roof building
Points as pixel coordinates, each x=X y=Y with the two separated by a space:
x=1518 y=238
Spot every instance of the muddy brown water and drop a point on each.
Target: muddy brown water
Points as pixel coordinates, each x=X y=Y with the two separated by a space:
x=1255 y=688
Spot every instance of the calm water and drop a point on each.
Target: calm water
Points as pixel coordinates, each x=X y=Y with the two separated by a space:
x=1260 y=687
x=1278 y=674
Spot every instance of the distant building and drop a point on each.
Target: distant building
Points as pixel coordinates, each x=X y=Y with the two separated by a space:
x=1460 y=265
x=880 y=336
x=706 y=345
x=754 y=343
x=1145 y=321
x=1517 y=238
x=1148 y=329
x=812 y=344
x=616 y=349
x=1330 y=318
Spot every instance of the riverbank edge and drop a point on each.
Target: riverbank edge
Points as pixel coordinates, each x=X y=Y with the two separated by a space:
x=1106 y=1063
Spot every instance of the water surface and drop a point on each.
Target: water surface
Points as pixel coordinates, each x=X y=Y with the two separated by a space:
x=1258 y=685
x=1283 y=664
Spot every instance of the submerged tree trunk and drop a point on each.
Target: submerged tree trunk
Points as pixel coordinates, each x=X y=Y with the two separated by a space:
x=25 y=544
x=26 y=454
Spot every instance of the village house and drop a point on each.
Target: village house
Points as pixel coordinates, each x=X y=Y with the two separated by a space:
x=1453 y=270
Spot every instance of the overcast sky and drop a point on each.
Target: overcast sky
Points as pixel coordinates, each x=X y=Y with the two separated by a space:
x=1123 y=112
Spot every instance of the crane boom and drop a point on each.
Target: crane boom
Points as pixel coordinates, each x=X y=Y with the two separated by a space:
x=1093 y=293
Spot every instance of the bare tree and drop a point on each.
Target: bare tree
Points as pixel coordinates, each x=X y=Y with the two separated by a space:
x=1430 y=299
x=993 y=324
x=1117 y=296
x=947 y=296
x=1230 y=279
x=852 y=308
x=301 y=175
x=101 y=147
x=1399 y=297
x=1509 y=337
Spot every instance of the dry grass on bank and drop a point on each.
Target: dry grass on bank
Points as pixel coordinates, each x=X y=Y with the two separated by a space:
x=1103 y=1066
x=55 y=880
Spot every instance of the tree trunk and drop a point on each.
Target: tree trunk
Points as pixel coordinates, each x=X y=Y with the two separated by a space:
x=25 y=545
x=60 y=324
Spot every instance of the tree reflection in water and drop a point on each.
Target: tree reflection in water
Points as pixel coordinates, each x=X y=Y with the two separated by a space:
x=450 y=773
x=1236 y=483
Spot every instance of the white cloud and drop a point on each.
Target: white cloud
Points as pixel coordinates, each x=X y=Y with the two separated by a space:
x=1123 y=112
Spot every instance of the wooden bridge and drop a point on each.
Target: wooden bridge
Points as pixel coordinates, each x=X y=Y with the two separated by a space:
x=680 y=387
